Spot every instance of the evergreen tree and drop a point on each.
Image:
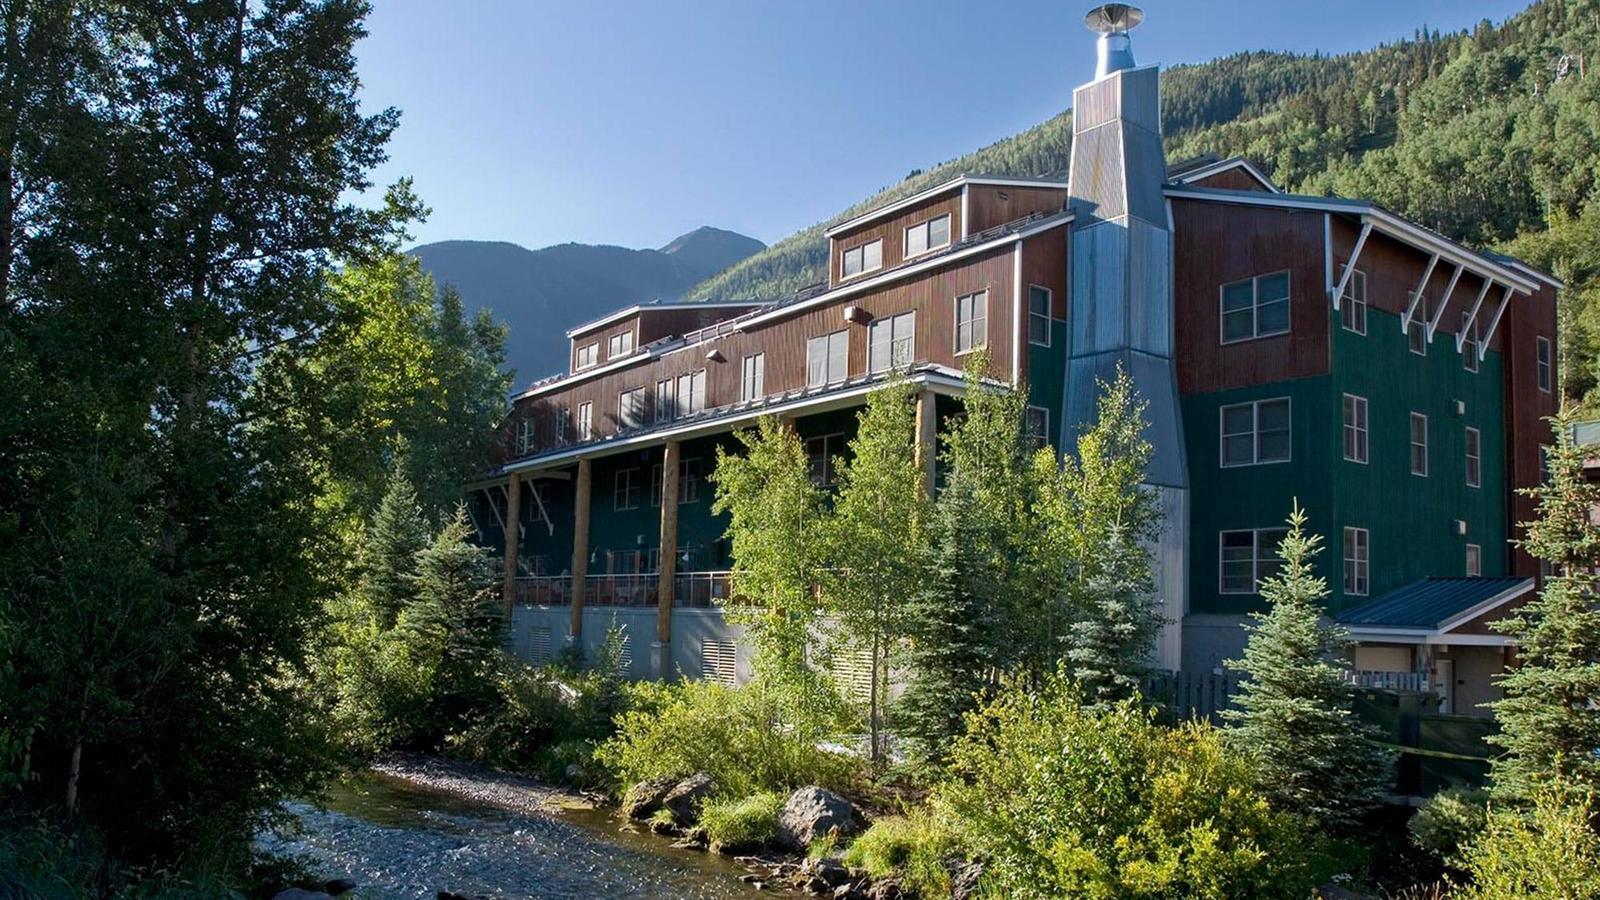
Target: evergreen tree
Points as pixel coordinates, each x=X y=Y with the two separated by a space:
x=875 y=542
x=1550 y=717
x=456 y=619
x=389 y=553
x=1109 y=524
x=1295 y=721
x=949 y=659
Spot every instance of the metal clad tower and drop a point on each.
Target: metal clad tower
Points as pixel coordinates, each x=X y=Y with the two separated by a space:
x=1121 y=301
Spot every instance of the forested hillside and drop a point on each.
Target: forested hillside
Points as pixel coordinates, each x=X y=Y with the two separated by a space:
x=1484 y=135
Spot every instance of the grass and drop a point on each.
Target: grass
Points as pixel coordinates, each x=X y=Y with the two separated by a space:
x=744 y=823
x=912 y=847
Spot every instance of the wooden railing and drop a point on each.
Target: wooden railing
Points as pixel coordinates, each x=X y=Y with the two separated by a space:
x=696 y=590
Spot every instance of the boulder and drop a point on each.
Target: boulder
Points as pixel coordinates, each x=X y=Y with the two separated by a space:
x=814 y=812
x=301 y=894
x=684 y=800
x=339 y=886
x=964 y=875
x=643 y=800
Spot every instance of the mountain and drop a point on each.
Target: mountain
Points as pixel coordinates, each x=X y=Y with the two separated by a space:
x=542 y=293
x=1491 y=136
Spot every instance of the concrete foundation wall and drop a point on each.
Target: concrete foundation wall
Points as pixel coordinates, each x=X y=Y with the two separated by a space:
x=703 y=641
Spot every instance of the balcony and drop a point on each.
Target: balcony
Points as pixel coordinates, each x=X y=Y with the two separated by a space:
x=695 y=590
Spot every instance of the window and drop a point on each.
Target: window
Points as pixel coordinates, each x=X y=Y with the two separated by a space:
x=1474 y=458
x=1353 y=303
x=1255 y=307
x=1469 y=342
x=620 y=345
x=1545 y=380
x=753 y=385
x=666 y=401
x=1248 y=558
x=524 y=436
x=691 y=396
x=688 y=482
x=1417 y=331
x=630 y=408
x=972 y=321
x=588 y=355
x=1474 y=561
x=563 y=414
x=826 y=359
x=1038 y=425
x=1419 y=444
x=821 y=452
x=1355 y=428
x=585 y=420
x=1357 y=566
x=1254 y=433
x=929 y=235
x=891 y=342
x=1038 y=315
x=626 y=492
x=861 y=259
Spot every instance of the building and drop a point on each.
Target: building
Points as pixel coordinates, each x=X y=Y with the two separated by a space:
x=1290 y=347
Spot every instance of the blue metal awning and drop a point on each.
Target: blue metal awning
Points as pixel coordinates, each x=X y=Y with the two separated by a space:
x=1434 y=604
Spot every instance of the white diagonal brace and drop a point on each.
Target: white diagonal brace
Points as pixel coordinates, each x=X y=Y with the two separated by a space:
x=495 y=509
x=1416 y=295
x=1494 y=322
x=1444 y=302
x=1472 y=316
x=548 y=525
x=1350 y=264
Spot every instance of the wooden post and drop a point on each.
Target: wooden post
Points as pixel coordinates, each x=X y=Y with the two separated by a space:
x=580 y=546
x=667 y=584
x=926 y=450
x=508 y=591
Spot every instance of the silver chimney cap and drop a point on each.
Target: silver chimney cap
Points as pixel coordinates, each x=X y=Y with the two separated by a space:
x=1113 y=21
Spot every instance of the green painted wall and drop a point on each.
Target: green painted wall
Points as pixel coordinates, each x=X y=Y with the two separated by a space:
x=1047 y=372
x=1409 y=517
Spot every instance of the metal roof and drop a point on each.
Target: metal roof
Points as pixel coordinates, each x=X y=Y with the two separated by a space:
x=1431 y=603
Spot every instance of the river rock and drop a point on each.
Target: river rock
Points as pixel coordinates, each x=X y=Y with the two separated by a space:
x=644 y=799
x=964 y=875
x=814 y=812
x=684 y=800
x=339 y=886
x=301 y=894
x=829 y=870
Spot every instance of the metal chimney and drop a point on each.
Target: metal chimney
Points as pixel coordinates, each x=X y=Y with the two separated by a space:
x=1112 y=22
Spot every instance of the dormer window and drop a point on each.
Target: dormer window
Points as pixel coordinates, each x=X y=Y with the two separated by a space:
x=588 y=355
x=862 y=259
x=930 y=235
x=620 y=345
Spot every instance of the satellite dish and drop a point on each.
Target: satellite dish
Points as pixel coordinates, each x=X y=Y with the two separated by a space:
x=1113 y=18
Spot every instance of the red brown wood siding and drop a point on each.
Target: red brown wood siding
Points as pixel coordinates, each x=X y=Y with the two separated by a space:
x=989 y=205
x=1044 y=262
x=1235 y=179
x=1217 y=243
x=892 y=231
x=1527 y=407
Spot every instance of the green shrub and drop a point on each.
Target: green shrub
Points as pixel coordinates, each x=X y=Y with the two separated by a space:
x=1550 y=850
x=1061 y=800
x=737 y=735
x=745 y=823
x=915 y=848
x=1448 y=821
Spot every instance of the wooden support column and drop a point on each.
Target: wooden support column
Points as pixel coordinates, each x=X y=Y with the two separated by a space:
x=667 y=585
x=580 y=546
x=926 y=450
x=513 y=527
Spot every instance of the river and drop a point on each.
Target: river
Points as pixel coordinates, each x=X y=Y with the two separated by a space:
x=397 y=839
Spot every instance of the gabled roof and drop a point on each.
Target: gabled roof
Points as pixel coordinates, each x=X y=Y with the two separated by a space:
x=654 y=305
x=945 y=187
x=1434 y=605
x=1192 y=170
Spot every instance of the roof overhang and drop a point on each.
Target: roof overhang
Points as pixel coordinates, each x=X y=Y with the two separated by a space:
x=1224 y=165
x=960 y=181
x=1444 y=632
x=637 y=308
x=938 y=379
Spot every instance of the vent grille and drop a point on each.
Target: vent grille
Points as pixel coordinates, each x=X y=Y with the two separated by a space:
x=853 y=672
x=539 y=645
x=719 y=661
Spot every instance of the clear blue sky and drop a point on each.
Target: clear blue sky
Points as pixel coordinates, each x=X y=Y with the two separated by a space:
x=632 y=122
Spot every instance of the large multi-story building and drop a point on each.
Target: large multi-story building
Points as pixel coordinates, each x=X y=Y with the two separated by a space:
x=1317 y=349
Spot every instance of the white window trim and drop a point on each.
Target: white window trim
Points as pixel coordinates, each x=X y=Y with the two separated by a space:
x=1255 y=305
x=1468 y=457
x=864 y=270
x=747 y=391
x=1358 y=276
x=618 y=492
x=623 y=419
x=1545 y=385
x=955 y=327
x=1419 y=322
x=926 y=224
x=1044 y=434
x=633 y=344
x=1411 y=442
x=578 y=364
x=1365 y=429
x=1469 y=358
x=1255 y=560
x=888 y=321
x=1474 y=552
x=1364 y=566
x=1255 y=432
x=1049 y=320
x=585 y=420
x=827 y=440
x=828 y=379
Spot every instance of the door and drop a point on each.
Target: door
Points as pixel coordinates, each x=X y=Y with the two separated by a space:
x=1444 y=684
